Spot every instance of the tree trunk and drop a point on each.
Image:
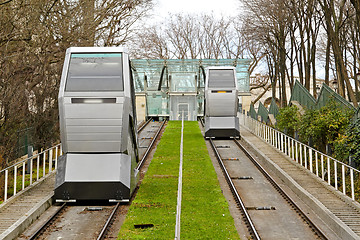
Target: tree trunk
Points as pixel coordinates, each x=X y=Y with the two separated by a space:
x=282 y=65
x=327 y=61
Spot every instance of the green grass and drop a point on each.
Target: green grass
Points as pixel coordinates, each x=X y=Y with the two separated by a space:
x=205 y=213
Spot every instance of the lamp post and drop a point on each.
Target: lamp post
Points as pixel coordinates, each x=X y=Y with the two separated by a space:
x=335 y=85
x=317 y=90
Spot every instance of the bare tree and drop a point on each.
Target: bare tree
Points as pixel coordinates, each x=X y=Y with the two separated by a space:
x=186 y=36
x=334 y=17
x=34 y=35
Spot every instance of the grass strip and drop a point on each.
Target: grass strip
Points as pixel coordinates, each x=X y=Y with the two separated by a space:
x=155 y=202
x=204 y=213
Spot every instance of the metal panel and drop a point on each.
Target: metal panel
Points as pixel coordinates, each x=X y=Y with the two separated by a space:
x=87 y=111
x=301 y=94
x=93 y=129
x=91 y=136
x=98 y=168
x=93 y=122
x=222 y=127
x=221 y=104
x=93 y=146
x=222 y=122
x=263 y=112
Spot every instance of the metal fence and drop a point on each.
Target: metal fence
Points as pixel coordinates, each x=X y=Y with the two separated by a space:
x=29 y=170
x=274 y=109
x=337 y=174
x=300 y=94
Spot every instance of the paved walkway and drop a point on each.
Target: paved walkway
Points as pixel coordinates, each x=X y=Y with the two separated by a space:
x=18 y=213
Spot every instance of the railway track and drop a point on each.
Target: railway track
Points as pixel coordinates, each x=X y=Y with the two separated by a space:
x=97 y=214
x=250 y=191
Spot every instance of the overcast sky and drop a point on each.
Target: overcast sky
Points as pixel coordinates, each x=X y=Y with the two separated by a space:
x=218 y=7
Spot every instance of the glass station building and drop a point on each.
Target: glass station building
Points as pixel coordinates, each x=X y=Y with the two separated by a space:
x=165 y=88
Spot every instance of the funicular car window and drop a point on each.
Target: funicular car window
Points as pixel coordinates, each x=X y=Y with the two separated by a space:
x=221 y=78
x=95 y=72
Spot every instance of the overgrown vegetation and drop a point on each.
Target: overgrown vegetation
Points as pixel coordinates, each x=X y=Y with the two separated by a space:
x=205 y=213
x=288 y=120
x=348 y=145
x=320 y=127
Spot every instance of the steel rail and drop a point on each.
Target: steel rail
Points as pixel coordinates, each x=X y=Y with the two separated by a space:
x=111 y=217
x=108 y=223
x=43 y=227
x=40 y=230
x=251 y=226
x=277 y=187
x=138 y=167
x=144 y=125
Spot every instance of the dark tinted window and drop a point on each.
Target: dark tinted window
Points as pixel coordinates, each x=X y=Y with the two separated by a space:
x=95 y=72
x=221 y=78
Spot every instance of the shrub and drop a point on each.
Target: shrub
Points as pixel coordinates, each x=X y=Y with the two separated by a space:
x=288 y=120
x=326 y=125
x=349 y=144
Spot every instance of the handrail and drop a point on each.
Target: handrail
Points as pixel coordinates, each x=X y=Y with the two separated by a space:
x=326 y=167
x=48 y=158
x=26 y=159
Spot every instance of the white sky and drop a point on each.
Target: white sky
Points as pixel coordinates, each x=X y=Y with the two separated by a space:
x=218 y=7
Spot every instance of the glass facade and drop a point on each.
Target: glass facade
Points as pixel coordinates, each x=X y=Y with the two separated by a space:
x=161 y=80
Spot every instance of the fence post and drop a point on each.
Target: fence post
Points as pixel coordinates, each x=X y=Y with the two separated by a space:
x=343 y=178
x=30 y=151
x=288 y=146
x=335 y=172
x=31 y=169
x=37 y=167
x=328 y=169
x=352 y=183
x=317 y=163
x=6 y=183
x=322 y=167
x=301 y=152
x=311 y=160
x=50 y=160
x=305 y=156
x=15 y=174
x=23 y=177
x=56 y=156
x=44 y=163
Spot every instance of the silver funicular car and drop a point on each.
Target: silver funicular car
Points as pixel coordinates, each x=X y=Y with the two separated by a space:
x=97 y=126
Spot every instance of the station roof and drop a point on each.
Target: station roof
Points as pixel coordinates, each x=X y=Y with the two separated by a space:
x=184 y=75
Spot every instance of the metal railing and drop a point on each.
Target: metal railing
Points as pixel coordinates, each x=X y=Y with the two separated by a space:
x=30 y=170
x=336 y=173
